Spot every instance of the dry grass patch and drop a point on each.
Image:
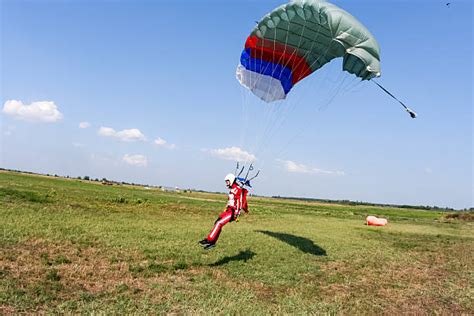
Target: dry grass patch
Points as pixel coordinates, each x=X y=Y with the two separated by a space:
x=461 y=216
x=65 y=271
x=418 y=284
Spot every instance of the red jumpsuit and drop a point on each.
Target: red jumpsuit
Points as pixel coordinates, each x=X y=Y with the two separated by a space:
x=237 y=202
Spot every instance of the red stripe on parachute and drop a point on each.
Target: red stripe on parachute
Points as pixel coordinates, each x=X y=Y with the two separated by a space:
x=277 y=53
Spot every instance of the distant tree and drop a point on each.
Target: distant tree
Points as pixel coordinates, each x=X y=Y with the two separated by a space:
x=86 y=178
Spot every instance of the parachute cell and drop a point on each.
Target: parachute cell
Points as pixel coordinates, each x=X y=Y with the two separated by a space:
x=298 y=38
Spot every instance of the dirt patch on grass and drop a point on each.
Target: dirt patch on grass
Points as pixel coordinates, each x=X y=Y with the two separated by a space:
x=31 y=260
x=39 y=274
x=7 y=310
x=42 y=275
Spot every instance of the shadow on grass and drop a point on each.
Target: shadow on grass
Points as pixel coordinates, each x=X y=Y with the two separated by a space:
x=303 y=244
x=241 y=256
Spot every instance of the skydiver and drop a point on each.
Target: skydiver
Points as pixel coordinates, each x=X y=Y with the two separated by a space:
x=236 y=203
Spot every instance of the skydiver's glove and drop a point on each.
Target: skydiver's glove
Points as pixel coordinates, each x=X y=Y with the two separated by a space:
x=236 y=215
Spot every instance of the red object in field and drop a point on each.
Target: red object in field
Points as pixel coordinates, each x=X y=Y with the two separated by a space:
x=375 y=221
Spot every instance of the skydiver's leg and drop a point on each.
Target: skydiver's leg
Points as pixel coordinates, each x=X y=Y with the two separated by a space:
x=223 y=219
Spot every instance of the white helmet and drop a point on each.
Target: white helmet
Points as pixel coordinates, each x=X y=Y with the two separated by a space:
x=231 y=178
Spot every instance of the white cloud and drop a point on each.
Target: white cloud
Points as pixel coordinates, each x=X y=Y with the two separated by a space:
x=130 y=135
x=163 y=143
x=84 y=125
x=107 y=132
x=41 y=111
x=233 y=153
x=160 y=142
x=135 y=160
x=295 y=167
x=126 y=135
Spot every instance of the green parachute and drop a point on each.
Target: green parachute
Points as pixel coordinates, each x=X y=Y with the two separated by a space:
x=298 y=38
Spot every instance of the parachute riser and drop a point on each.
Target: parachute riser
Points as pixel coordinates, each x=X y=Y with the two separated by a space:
x=242 y=182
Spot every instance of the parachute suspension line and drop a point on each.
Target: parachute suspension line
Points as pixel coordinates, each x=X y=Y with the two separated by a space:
x=245 y=116
x=313 y=117
x=272 y=112
x=335 y=91
x=302 y=95
x=278 y=117
x=292 y=105
x=258 y=136
x=277 y=110
x=245 y=111
x=252 y=84
x=353 y=85
x=410 y=111
x=339 y=84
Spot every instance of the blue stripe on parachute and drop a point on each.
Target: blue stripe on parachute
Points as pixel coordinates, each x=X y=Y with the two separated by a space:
x=283 y=74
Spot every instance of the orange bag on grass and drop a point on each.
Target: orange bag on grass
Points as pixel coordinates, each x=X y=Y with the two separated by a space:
x=375 y=221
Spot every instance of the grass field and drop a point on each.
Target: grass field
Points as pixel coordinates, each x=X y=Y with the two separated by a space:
x=71 y=246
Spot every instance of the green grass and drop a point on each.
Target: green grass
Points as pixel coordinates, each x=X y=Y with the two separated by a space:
x=70 y=246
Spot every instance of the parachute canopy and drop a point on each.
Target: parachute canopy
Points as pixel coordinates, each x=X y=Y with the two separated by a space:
x=298 y=38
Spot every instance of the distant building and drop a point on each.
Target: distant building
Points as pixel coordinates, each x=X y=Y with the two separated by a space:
x=169 y=189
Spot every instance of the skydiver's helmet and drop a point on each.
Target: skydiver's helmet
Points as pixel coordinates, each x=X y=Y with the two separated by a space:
x=229 y=180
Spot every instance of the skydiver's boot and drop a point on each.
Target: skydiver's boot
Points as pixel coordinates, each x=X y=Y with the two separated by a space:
x=210 y=246
x=204 y=242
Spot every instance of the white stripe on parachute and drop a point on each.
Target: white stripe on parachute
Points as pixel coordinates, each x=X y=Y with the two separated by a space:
x=265 y=87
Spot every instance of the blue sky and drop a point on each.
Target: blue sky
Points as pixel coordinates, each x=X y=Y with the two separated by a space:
x=153 y=84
